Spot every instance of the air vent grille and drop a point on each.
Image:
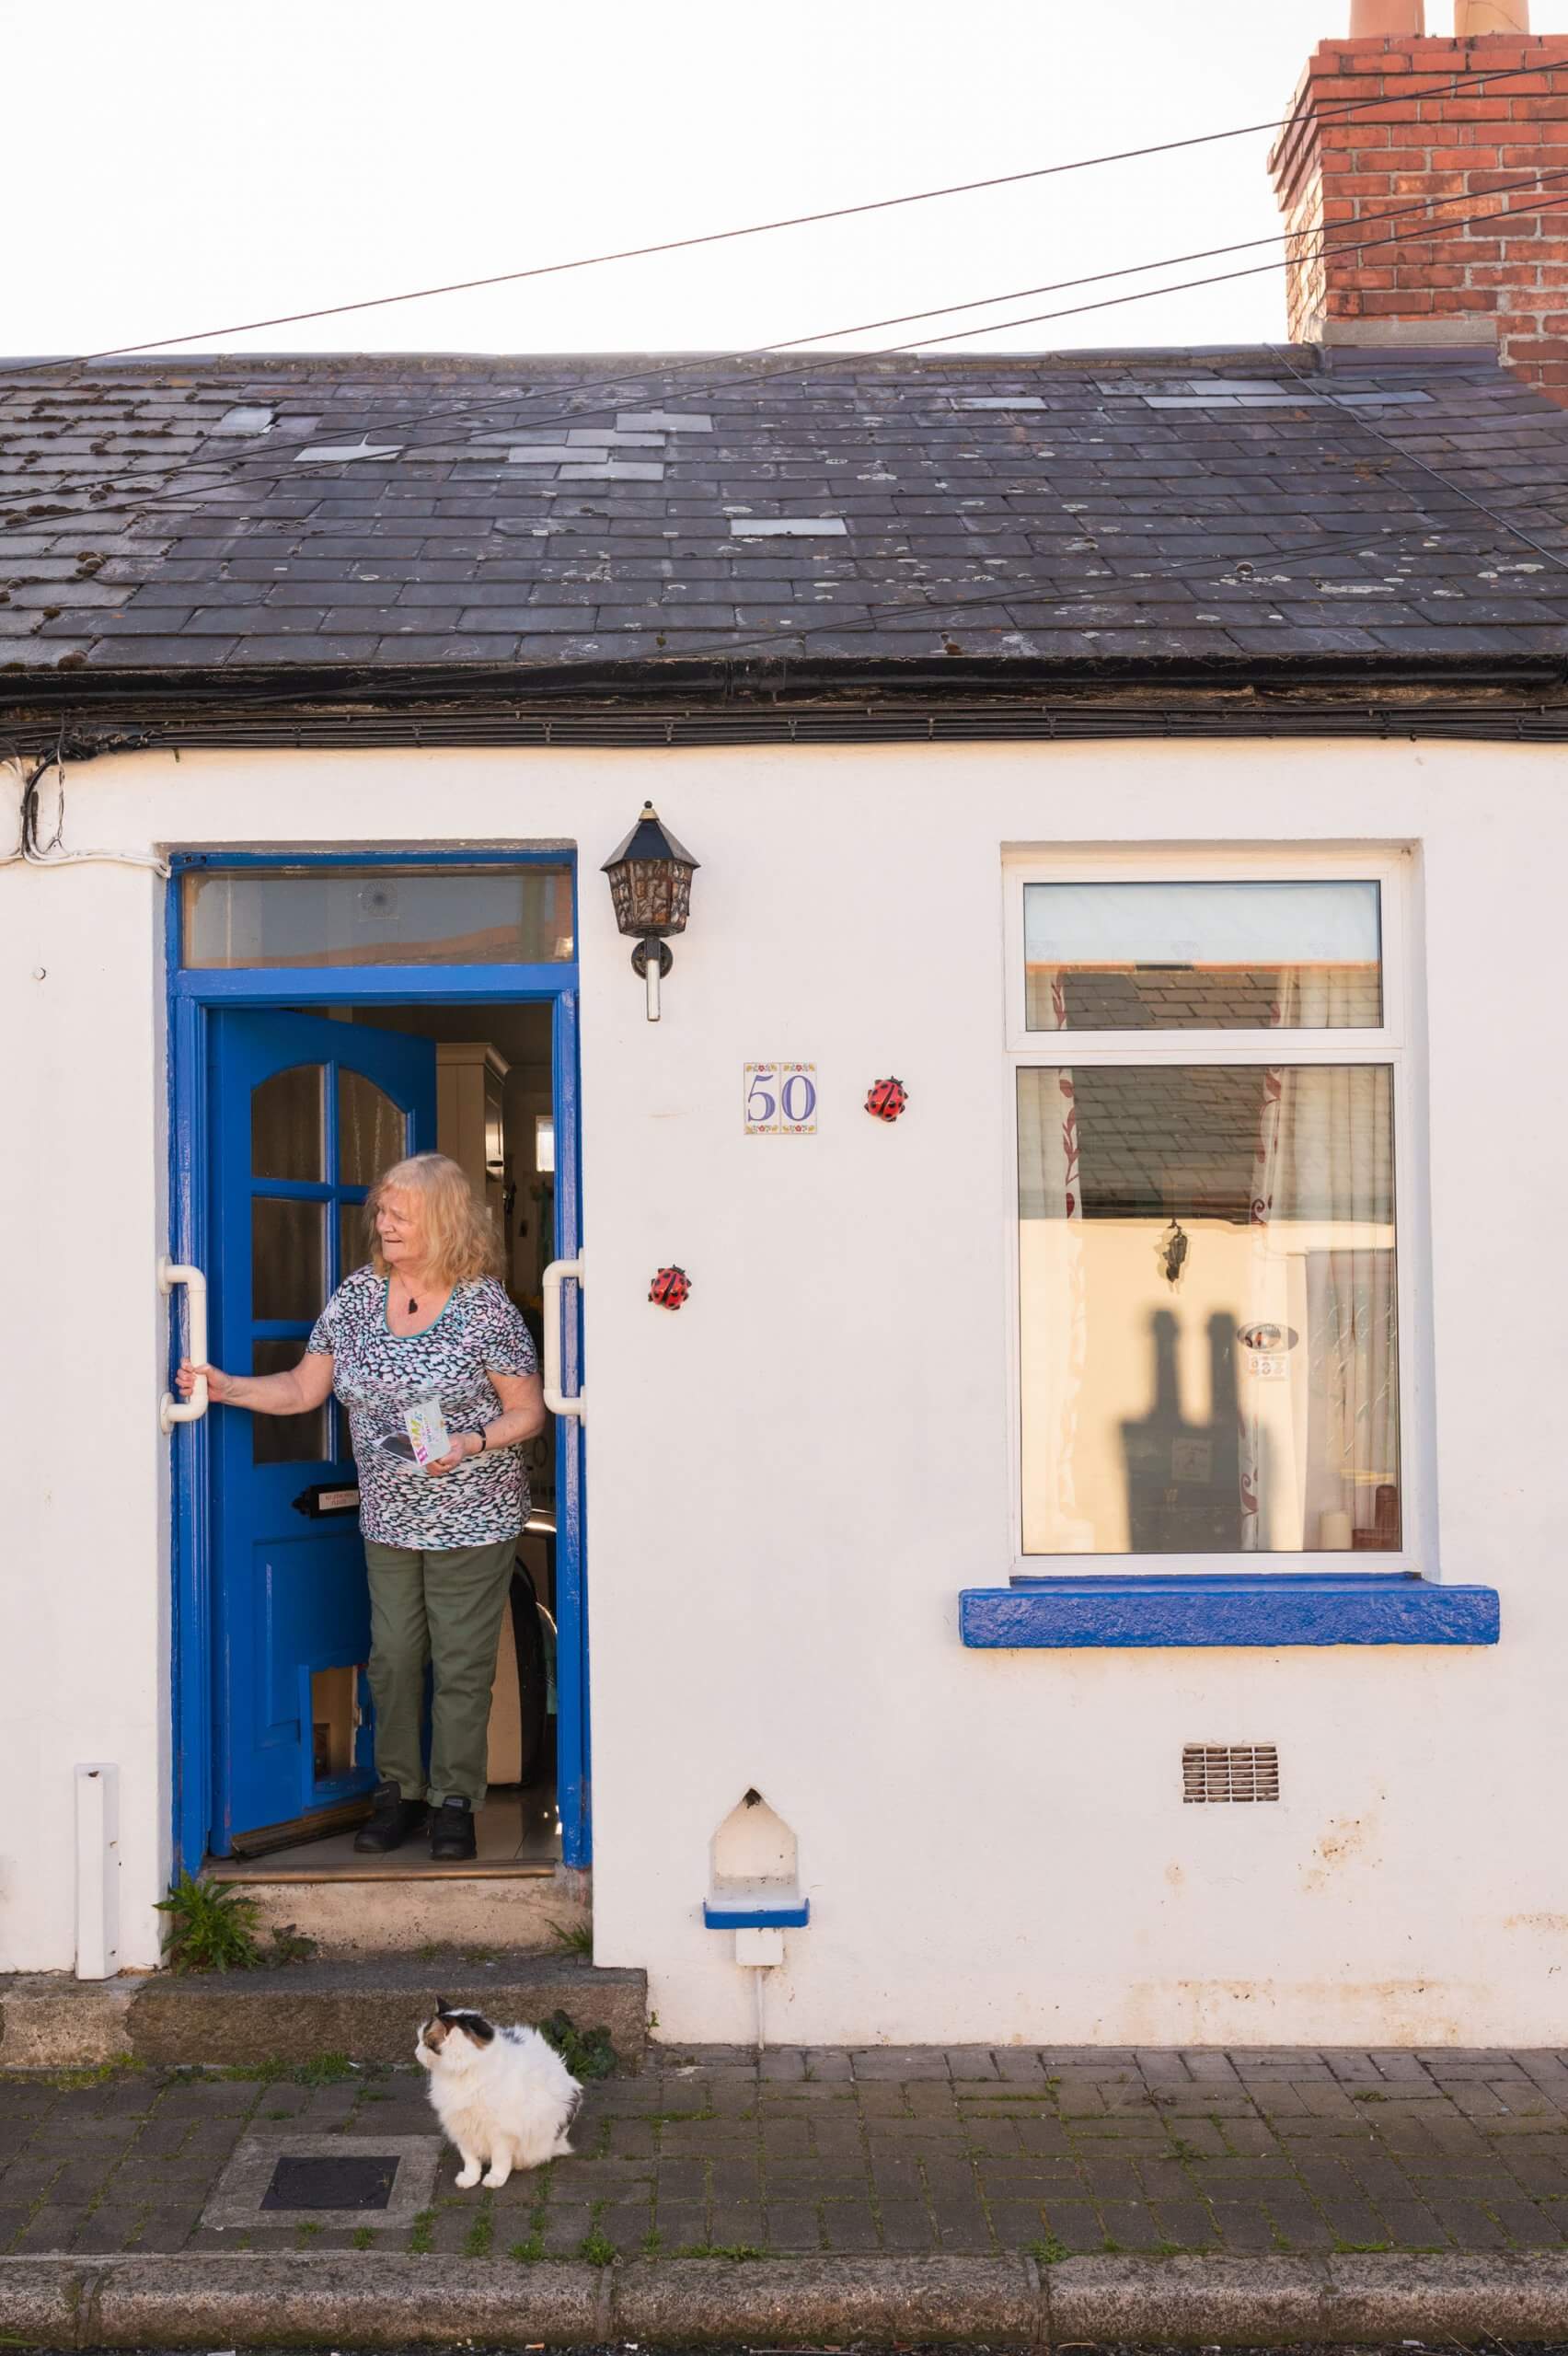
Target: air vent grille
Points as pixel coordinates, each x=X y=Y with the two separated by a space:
x=1229 y=1771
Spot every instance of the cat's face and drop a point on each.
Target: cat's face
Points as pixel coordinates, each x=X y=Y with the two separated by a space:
x=454 y=2034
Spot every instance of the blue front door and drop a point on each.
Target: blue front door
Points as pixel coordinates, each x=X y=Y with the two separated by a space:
x=307 y=1112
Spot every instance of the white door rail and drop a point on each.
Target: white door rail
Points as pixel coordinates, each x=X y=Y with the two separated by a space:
x=172 y=1411
x=550 y=1283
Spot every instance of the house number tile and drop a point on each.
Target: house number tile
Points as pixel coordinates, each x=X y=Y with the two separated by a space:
x=780 y=1100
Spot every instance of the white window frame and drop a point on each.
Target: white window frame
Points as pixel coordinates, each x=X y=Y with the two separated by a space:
x=1394 y=1042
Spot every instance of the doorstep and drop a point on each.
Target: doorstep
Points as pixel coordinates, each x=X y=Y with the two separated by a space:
x=514 y=1894
x=367 y=2009
x=371 y=1906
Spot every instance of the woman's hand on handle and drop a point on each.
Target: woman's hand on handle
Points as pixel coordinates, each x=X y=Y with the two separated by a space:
x=292 y=1394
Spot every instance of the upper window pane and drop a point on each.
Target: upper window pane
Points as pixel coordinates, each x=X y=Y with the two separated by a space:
x=1244 y=956
x=378 y=916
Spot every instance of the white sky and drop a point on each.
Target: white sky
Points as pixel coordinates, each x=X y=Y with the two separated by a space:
x=192 y=163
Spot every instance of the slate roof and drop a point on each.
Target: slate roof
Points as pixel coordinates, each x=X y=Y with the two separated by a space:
x=565 y=517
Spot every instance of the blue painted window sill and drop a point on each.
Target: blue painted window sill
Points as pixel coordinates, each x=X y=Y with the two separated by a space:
x=1260 y=1609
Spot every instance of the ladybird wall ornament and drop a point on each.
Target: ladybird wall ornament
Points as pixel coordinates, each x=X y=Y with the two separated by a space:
x=887 y=1100
x=670 y=1288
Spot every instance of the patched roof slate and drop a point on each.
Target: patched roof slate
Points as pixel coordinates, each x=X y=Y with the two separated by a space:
x=341 y=516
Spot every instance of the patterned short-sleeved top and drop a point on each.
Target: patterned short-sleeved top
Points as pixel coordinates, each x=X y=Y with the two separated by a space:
x=379 y=1374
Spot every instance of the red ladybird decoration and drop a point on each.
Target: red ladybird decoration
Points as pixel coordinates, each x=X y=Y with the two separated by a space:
x=670 y=1288
x=887 y=1100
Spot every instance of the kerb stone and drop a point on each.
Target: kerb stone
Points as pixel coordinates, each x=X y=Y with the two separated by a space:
x=689 y=2302
x=360 y=2298
x=1231 y=2302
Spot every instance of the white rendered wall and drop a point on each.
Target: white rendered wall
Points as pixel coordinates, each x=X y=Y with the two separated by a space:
x=789 y=1481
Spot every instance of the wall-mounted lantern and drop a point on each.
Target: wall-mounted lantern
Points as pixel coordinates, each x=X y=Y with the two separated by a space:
x=651 y=885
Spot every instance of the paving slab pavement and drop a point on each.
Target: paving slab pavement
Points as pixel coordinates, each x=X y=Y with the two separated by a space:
x=1013 y=2194
x=974 y=2152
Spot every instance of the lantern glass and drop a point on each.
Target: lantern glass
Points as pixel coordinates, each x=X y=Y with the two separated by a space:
x=651 y=895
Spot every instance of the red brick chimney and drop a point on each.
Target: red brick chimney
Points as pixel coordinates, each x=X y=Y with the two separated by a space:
x=1462 y=126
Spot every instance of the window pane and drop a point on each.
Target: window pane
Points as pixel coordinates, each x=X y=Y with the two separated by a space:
x=1202 y=956
x=285 y=1440
x=288 y=1259
x=382 y=916
x=1208 y=1321
x=371 y=1130
x=286 y=1126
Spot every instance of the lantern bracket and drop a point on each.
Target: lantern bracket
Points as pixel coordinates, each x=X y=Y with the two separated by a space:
x=650 y=961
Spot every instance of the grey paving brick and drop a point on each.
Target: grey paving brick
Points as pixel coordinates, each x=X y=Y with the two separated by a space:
x=682 y=2178
x=968 y=2063
x=905 y=2064
x=793 y=2224
x=849 y=2225
x=1185 y=2224
x=626 y=2223
x=1411 y=2225
x=1076 y=2223
x=779 y=2138
x=1244 y=2227
x=167 y=2229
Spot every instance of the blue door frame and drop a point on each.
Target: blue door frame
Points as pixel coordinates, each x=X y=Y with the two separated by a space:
x=192 y=998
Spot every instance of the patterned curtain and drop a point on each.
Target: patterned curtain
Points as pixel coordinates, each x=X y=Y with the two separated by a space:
x=1050 y=1195
x=1316 y=1455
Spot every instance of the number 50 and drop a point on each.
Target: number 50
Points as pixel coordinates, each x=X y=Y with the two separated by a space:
x=780 y=1097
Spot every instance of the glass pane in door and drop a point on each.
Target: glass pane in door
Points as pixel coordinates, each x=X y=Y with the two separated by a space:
x=353 y=1239
x=287 y=1133
x=371 y=1131
x=288 y=1258
x=285 y=1440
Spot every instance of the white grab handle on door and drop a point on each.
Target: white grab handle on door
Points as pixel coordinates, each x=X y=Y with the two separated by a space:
x=173 y=1410
x=550 y=1283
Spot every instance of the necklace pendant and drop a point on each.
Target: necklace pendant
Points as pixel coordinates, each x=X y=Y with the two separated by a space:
x=414 y=1306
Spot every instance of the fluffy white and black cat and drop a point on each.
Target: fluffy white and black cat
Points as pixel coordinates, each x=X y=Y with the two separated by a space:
x=503 y=2096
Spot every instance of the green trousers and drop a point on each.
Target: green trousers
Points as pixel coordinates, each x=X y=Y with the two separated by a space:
x=442 y=1606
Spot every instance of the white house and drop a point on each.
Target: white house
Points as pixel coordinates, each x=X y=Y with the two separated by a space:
x=1079 y=1559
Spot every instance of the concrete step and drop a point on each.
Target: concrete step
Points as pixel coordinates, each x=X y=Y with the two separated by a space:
x=368 y=2008
x=360 y=1910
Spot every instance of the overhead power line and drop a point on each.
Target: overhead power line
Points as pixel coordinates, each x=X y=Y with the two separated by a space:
x=440 y=418
x=249 y=473
x=1478 y=78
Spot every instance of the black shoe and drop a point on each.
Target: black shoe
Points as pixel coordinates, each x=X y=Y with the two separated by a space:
x=452 y=1831
x=390 y=1821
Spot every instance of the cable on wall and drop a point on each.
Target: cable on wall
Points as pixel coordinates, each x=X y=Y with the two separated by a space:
x=31 y=851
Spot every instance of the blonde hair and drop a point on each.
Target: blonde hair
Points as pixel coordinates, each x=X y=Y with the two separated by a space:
x=459 y=1238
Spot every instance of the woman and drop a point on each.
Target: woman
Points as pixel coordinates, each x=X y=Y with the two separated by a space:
x=426 y=1320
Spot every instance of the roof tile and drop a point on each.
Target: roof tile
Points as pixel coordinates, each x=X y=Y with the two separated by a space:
x=1210 y=507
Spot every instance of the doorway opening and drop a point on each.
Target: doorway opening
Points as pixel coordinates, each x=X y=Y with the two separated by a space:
x=495 y=1117
x=327 y=1018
